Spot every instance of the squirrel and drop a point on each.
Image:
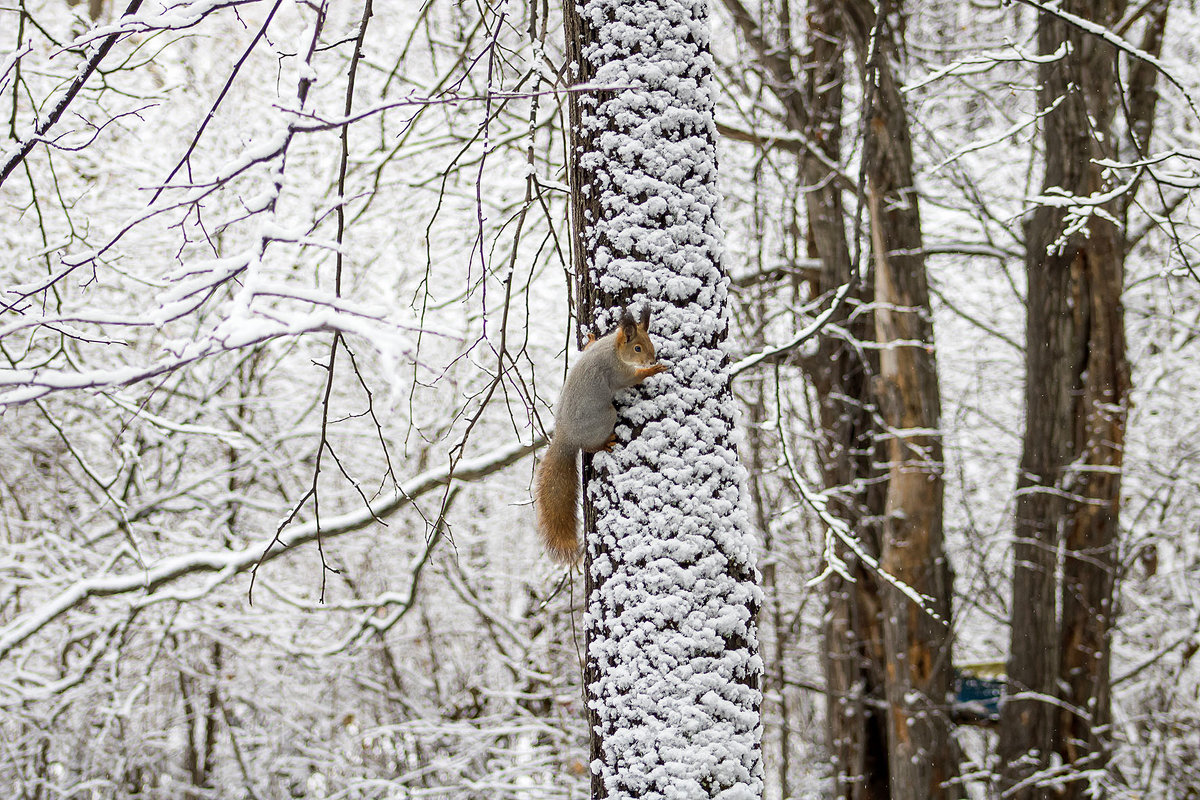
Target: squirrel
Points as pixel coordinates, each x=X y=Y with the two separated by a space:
x=586 y=420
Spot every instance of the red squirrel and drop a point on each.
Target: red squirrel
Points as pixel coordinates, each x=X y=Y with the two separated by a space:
x=586 y=421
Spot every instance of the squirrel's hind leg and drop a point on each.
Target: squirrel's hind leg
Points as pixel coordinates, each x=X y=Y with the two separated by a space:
x=599 y=431
x=606 y=446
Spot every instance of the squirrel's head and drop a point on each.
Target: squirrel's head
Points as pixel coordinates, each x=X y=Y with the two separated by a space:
x=633 y=337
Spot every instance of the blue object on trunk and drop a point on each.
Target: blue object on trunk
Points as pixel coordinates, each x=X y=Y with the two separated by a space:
x=984 y=693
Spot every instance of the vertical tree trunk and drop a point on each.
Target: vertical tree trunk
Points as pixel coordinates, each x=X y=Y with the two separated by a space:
x=673 y=669
x=922 y=755
x=841 y=374
x=916 y=740
x=1076 y=394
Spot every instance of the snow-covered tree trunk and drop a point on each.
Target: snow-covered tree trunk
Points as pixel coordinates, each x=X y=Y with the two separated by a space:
x=673 y=668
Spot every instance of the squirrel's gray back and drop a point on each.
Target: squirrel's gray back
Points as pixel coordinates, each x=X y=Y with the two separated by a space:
x=585 y=411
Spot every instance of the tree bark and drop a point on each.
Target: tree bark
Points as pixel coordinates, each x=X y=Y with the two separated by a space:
x=1076 y=395
x=841 y=374
x=917 y=637
x=673 y=670
x=864 y=743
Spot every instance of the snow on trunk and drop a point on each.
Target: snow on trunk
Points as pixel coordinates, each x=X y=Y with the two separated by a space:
x=673 y=669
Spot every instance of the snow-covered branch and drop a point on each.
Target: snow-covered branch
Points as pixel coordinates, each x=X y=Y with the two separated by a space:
x=233 y=562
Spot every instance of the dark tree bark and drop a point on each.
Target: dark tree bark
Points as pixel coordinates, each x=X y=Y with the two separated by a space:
x=672 y=668
x=1076 y=395
x=878 y=753
x=840 y=373
x=917 y=638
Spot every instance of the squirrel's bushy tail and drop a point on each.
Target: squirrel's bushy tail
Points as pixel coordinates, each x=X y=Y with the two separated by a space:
x=555 y=498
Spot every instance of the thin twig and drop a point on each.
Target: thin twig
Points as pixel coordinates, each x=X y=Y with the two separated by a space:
x=60 y=107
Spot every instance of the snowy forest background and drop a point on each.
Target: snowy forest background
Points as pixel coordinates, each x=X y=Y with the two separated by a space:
x=256 y=287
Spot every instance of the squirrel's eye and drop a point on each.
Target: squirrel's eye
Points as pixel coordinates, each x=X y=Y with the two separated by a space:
x=637 y=349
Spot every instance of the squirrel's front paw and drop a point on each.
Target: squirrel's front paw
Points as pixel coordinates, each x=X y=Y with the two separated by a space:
x=657 y=368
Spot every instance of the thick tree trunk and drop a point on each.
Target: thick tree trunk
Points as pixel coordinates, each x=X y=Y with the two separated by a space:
x=673 y=669
x=1077 y=387
x=922 y=754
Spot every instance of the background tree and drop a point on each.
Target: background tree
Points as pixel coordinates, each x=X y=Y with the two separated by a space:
x=917 y=636
x=852 y=413
x=1076 y=398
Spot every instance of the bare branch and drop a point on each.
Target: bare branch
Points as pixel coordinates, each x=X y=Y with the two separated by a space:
x=60 y=107
x=232 y=562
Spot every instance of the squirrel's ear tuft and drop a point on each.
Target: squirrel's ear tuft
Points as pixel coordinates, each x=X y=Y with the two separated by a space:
x=627 y=327
x=645 y=319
